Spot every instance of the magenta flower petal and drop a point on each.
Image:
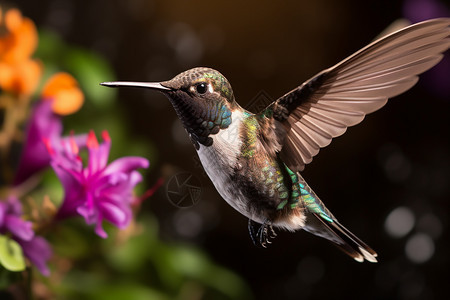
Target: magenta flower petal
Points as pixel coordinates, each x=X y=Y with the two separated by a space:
x=97 y=191
x=2 y=213
x=35 y=248
x=11 y=221
x=18 y=227
x=121 y=191
x=127 y=164
x=99 y=230
x=38 y=251
x=119 y=216
x=135 y=178
x=73 y=189
x=43 y=125
x=34 y=157
x=104 y=149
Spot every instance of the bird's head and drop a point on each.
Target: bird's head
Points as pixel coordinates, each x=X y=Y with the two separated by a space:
x=202 y=98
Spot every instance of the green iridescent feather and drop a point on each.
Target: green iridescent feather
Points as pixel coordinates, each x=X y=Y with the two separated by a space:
x=250 y=130
x=271 y=174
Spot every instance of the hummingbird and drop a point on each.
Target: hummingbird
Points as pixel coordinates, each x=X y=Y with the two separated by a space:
x=255 y=160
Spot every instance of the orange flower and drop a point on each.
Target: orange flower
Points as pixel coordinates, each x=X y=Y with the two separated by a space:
x=19 y=74
x=21 y=78
x=20 y=39
x=63 y=89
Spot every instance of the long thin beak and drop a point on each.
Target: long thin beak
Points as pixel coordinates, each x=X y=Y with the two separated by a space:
x=148 y=85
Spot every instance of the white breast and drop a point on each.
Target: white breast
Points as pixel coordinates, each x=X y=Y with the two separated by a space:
x=220 y=159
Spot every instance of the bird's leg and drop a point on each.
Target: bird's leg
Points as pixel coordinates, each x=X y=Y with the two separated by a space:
x=272 y=233
x=261 y=233
x=263 y=238
x=253 y=229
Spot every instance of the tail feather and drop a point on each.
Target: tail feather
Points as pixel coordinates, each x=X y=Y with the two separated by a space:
x=321 y=222
x=341 y=237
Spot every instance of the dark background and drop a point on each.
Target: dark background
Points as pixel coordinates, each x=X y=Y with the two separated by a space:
x=398 y=157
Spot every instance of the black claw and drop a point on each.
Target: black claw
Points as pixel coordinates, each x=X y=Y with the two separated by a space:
x=272 y=233
x=261 y=234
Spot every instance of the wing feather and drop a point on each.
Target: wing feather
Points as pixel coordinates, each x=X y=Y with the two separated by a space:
x=396 y=66
x=293 y=155
x=320 y=137
x=323 y=107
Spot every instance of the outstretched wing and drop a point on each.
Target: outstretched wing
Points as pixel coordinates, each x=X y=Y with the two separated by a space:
x=322 y=108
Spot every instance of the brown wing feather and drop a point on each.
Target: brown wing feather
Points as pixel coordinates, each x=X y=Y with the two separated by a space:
x=323 y=107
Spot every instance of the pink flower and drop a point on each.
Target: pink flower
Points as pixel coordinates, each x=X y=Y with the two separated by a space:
x=43 y=123
x=34 y=156
x=35 y=248
x=98 y=191
x=38 y=251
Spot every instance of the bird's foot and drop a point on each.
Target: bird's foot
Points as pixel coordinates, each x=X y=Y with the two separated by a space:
x=261 y=234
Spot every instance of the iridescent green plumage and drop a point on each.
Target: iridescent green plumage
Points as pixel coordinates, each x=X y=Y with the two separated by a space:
x=220 y=84
x=249 y=130
x=291 y=189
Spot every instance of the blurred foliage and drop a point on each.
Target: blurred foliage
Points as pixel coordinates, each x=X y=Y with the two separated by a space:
x=142 y=267
x=11 y=256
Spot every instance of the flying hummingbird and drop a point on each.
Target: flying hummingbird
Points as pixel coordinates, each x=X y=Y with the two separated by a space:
x=255 y=160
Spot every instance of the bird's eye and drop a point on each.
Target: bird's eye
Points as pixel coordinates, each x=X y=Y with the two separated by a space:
x=202 y=88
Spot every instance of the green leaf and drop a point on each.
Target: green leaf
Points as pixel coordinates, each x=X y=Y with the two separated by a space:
x=90 y=69
x=11 y=255
x=51 y=47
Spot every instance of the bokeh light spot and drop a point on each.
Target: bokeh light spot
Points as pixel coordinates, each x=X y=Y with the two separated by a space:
x=185 y=41
x=419 y=248
x=188 y=223
x=399 y=222
x=395 y=164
